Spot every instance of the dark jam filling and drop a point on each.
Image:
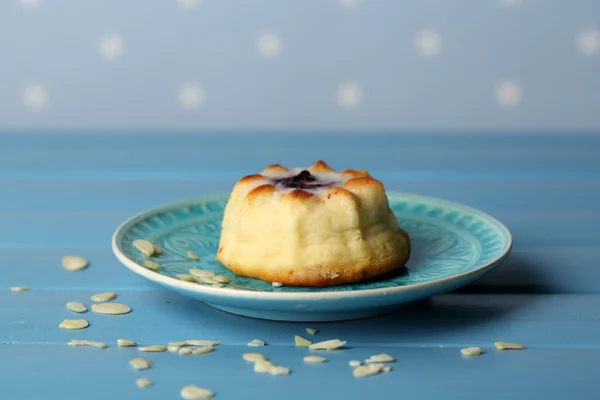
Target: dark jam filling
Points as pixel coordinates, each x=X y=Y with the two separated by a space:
x=303 y=180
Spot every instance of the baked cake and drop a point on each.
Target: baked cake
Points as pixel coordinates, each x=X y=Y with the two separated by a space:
x=311 y=227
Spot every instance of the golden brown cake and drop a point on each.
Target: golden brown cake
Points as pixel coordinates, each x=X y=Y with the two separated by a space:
x=311 y=227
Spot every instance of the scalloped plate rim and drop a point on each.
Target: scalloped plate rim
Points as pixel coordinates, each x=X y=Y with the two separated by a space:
x=461 y=279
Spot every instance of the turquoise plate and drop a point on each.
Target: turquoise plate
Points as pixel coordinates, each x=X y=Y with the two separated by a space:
x=452 y=245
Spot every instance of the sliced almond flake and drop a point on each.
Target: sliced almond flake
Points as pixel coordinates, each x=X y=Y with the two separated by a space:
x=203 y=350
x=76 y=306
x=276 y=284
x=221 y=279
x=471 y=351
x=157 y=250
x=106 y=296
x=19 y=288
x=254 y=357
x=143 y=382
x=508 y=346
x=74 y=324
x=256 y=343
x=193 y=256
x=300 y=341
x=140 y=363
x=200 y=273
x=186 y=277
x=314 y=359
x=354 y=363
x=386 y=368
x=111 y=308
x=368 y=370
x=74 y=263
x=312 y=331
x=126 y=343
x=151 y=265
x=201 y=343
x=332 y=344
x=173 y=349
x=279 y=370
x=217 y=285
x=380 y=358
x=144 y=246
x=208 y=281
x=178 y=344
x=184 y=351
x=263 y=366
x=192 y=392
x=153 y=348
x=98 y=345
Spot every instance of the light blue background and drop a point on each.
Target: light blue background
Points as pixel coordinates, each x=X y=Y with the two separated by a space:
x=325 y=43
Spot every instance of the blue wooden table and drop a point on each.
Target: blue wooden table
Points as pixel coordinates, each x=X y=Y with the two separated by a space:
x=66 y=194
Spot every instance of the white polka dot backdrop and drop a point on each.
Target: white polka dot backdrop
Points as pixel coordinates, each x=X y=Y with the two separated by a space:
x=111 y=46
x=269 y=45
x=428 y=43
x=293 y=65
x=349 y=95
x=191 y=96
x=35 y=97
x=509 y=94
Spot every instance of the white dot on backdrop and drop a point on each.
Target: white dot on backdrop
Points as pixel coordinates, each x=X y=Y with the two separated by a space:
x=428 y=43
x=349 y=95
x=35 y=97
x=269 y=45
x=509 y=94
x=191 y=96
x=510 y=2
x=111 y=47
x=349 y=3
x=588 y=41
x=188 y=3
x=30 y=3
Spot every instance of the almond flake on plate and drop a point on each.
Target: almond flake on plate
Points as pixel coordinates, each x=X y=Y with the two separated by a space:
x=151 y=265
x=300 y=341
x=203 y=350
x=140 y=363
x=200 y=273
x=74 y=324
x=173 y=349
x=332 y=344
x=380 y=358
x=263 y=366
x=178 y=344
x=221 y=279
x=184 y=351
x=143 y=382
x=386 y=368
x=201 y=343
x=145 y=247
x=279 y=370
x=354 y=363
x=98 y=345
x=368 y=370
x=153 y=348
x=254 y=357
x=76 y=306
x=508 y=346
x=19 y=288
x=106 y=296
x=74 y=263
x=186 y=277
x=192 y=392
x=193 y=256
x=471 y=351
x=314 y=359
x=111 y=308
x=276 y=284
x=126 y=343
x=312 y=331
x=256 y=343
